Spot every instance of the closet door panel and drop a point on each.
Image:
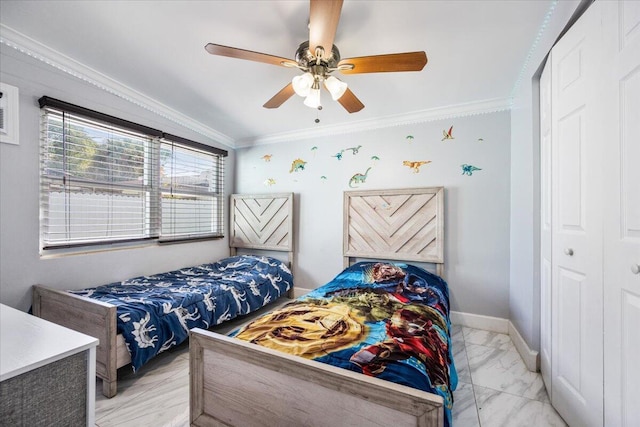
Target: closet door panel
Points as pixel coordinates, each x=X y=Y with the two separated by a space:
x=571 y=334
x=572 y=174
x=622 y=215
x=630 y=153
x=545 y=226
x=630 y=346
x=577 y=370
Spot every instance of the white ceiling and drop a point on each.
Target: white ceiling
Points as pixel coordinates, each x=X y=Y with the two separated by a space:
x=476 y=51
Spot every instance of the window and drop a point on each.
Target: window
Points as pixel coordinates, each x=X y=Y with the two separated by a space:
x=106 y=180
x=191 y=186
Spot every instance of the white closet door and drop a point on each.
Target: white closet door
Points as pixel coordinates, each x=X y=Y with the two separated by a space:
x=577 y=357
x=545 y=226
x=622 y=215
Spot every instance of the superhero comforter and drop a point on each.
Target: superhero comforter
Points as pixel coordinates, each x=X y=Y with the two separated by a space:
x=156 y=312
x=389 y=321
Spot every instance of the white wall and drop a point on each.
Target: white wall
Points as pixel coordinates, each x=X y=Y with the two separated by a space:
x=21 y=265
x=490 y=272
x=477 y=206
x=524 y=289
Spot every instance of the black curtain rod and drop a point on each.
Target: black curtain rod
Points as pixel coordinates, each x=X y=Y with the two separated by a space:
x=47 y=101
x=194 y=144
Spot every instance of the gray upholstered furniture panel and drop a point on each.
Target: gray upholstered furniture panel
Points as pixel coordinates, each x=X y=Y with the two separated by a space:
x=53 y=395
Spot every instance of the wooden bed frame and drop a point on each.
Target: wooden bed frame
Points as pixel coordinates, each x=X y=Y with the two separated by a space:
x=263 y=222
x=236 y=383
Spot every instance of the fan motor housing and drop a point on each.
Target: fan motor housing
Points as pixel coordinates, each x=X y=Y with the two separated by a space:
x=305 y=58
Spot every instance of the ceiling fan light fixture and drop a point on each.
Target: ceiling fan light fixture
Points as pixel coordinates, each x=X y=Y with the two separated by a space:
x=318 y=57
x=313 y=99
x=302 y=84
x=336 y=87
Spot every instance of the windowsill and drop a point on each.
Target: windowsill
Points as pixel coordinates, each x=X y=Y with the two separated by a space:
x=189 y=239
x=111 y=247
x=87 y=250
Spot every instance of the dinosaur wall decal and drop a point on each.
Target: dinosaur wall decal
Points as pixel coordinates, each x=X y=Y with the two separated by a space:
x=447 y=135
x=359 y=178
x=469 y=169
x=415 y=166
x=354 y=150
x=297 y=165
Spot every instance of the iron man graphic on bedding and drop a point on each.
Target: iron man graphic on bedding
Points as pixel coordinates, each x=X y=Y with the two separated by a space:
x=390 y=318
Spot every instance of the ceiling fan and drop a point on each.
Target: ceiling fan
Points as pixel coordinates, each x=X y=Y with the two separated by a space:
x=319 y=57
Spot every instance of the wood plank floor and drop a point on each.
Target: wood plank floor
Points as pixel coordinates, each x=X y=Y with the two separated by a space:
x=158 y=394
x=495 y=388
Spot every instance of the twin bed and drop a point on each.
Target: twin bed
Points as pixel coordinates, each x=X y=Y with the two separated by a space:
x=304 y=364
x=135 y=317
x=389 y=321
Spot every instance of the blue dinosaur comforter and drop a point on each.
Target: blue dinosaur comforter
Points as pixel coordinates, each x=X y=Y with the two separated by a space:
x=389 y=321
x=156 y=312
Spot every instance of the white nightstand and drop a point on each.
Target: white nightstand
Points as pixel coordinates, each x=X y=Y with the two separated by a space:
x=47 y=372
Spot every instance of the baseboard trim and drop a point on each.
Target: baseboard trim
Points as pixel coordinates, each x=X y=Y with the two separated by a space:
x=298 y=292
x=478 y=321
x=530 y=357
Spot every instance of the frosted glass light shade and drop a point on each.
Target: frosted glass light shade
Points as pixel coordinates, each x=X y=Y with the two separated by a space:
x=336 y=87
x=302 y=84
x=313 y=99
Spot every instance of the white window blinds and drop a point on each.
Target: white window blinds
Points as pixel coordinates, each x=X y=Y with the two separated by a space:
x=103 y=182
x=192 y=192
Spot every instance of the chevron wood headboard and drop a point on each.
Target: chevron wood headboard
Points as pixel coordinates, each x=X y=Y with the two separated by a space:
x=405 y=224
x=262 y=221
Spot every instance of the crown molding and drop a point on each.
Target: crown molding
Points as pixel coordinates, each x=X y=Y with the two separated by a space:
x=61 y=62
x=421 y=116
x=533 y=48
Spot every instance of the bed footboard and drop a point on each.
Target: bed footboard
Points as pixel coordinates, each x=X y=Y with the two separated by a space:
x=93 y=318
x=236 y=383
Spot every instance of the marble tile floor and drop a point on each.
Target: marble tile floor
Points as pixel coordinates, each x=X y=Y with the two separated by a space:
x=495 y=388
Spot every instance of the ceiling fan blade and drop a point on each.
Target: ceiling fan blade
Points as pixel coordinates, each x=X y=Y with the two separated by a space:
x=410 y=61
x=280 y=97
x=234 y=52
x=350 y=102
x=324 y=16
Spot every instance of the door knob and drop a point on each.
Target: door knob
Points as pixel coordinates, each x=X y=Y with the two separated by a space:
x=568 y=251
x=635 y=269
